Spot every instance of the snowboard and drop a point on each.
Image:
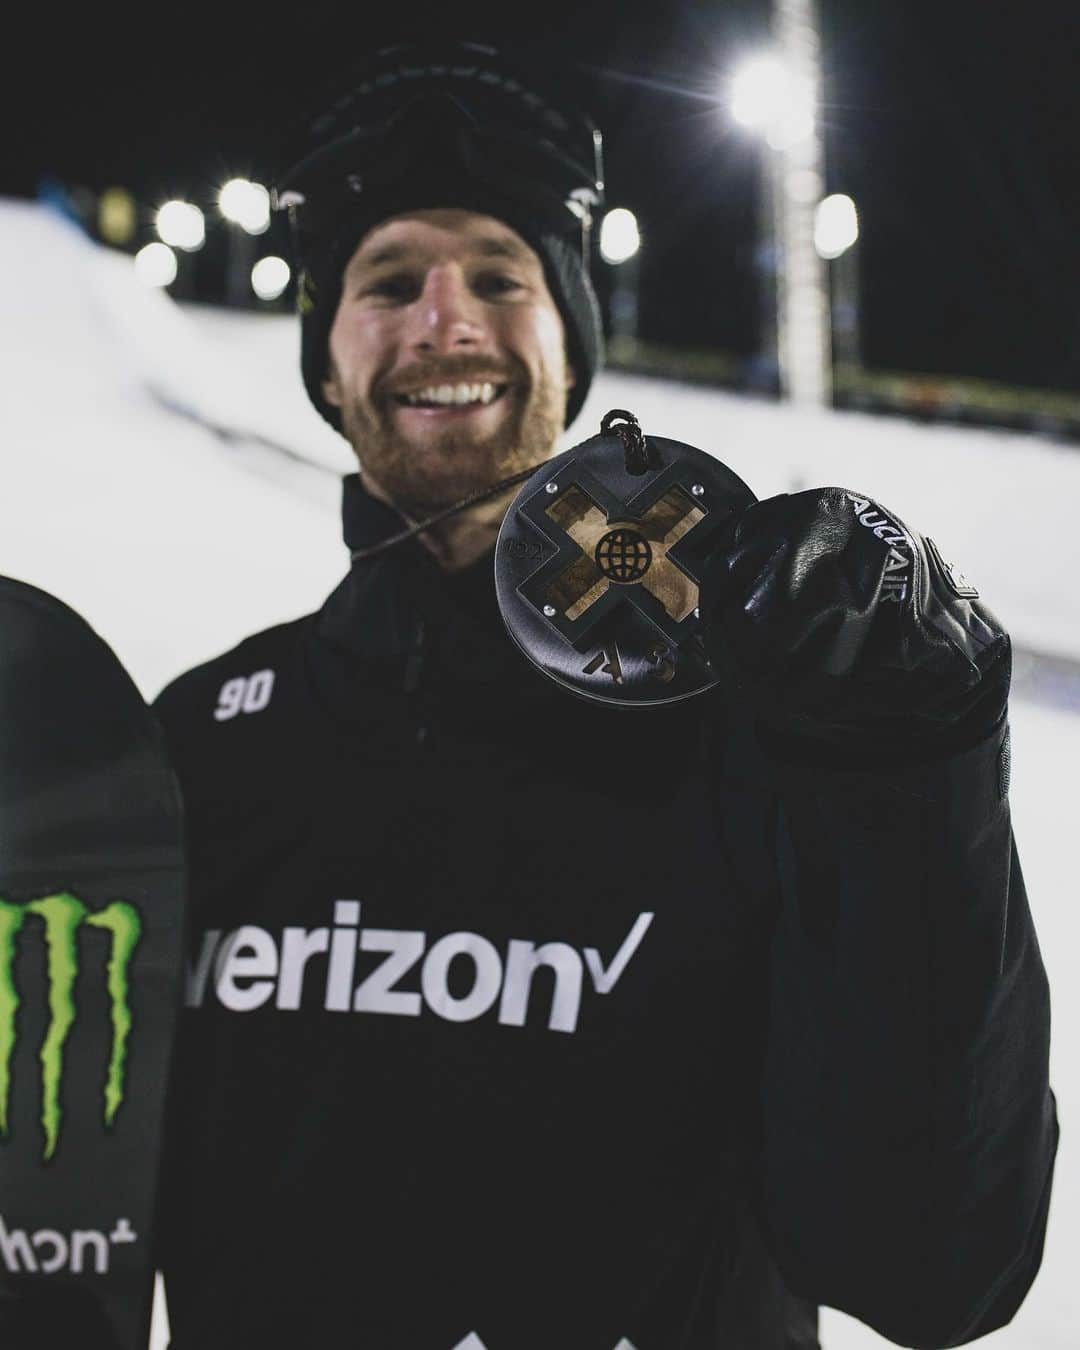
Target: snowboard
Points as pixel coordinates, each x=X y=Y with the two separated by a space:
x=92 y=890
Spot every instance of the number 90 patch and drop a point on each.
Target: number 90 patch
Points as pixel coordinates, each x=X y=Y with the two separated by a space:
x=244 y=694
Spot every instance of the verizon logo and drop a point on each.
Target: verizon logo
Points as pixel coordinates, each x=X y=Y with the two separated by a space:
x=249 y=967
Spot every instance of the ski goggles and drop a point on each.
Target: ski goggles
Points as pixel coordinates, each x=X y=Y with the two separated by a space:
x=493 y=135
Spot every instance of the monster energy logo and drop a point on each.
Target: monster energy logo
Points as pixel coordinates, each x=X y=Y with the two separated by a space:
x=62 y=916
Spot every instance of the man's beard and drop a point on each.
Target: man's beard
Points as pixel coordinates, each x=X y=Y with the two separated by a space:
x=421 y=479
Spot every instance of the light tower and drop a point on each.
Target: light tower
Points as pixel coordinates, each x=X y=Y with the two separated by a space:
x=620 y=246
x=778 y=94
x=246 y=206
x=805 y=361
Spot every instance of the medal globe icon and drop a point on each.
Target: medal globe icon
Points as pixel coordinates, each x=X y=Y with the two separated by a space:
x=623 y=556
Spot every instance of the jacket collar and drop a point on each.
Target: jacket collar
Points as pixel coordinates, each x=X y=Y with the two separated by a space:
x=365 y=519
x=391 y=604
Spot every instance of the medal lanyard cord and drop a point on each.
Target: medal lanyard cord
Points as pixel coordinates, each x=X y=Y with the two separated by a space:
x=640 y=457
x=471 y=500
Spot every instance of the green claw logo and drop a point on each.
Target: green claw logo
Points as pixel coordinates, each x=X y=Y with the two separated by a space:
x=62 y=916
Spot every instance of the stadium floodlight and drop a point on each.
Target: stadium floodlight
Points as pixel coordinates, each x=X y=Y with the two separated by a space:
x=269 y=277
x=769 y=97
x=836 y=226
x=757 y=90
x=246 y=204
x=620 y=238
x=155 y=265
x=181 y=225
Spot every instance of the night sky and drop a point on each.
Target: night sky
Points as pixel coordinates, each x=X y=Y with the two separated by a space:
x=955 y=125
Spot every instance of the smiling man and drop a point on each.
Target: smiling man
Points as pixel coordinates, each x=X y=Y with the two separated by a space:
x=515 y=1022
x=447 y=366
x=442 y=215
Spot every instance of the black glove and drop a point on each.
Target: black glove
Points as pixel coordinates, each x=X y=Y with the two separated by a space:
x=838 y=624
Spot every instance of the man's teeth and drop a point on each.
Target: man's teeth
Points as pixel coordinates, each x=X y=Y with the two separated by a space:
x=459 y=394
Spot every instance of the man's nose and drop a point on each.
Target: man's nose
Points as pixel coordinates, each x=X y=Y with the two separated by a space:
x=446 y=316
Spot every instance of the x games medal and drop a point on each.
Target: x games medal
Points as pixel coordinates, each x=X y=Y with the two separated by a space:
x=600 y=558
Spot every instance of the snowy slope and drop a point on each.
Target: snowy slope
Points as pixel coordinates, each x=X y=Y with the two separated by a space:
x=168 y=546
x=175 y=540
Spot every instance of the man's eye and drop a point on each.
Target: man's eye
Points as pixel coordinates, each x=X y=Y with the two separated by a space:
x=401 y=286
x=498 y=282
x=396 y=287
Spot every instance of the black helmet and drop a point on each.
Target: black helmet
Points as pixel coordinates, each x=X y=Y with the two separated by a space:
x=436 y=123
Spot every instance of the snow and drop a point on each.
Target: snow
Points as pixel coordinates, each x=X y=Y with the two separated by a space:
x=144 y=480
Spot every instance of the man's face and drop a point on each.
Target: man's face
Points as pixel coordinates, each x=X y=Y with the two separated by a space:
x=439 y=298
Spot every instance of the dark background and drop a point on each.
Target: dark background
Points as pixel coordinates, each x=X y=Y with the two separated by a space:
x=955 y=126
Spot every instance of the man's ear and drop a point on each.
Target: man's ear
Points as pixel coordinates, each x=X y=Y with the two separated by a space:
x=331 y=389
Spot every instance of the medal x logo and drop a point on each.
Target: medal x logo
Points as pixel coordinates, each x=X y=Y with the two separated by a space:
x=627 y=553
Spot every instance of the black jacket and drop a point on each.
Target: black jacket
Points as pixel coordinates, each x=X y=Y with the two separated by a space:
x=648 y=1039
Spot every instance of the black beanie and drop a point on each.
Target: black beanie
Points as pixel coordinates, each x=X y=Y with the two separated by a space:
x=321 y=271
